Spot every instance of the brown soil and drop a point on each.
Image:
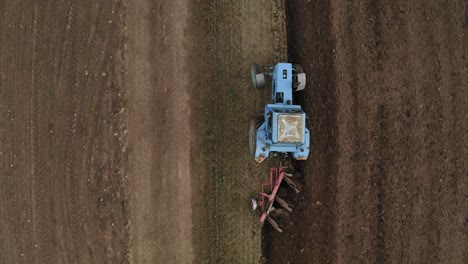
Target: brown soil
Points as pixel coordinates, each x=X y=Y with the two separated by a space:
x=94 y=158
x=123 y=131
x=63 y=154
x=386 y=180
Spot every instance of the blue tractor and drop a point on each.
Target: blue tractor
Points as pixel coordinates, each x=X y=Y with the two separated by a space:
x=282 y=128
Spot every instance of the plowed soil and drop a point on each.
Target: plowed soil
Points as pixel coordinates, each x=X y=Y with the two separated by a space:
x=387 y=178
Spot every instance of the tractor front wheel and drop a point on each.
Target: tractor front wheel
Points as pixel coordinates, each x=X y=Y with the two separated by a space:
x=258 y=79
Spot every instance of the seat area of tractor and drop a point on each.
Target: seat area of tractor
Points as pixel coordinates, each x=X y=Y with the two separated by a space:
x=290 y=128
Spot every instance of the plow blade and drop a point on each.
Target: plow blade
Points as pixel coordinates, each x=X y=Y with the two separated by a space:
x=283 y=203
x=274 y=224
x=291 y=183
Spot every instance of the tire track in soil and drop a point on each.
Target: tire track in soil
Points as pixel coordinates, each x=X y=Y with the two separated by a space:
x=354 y=107
x=160 y=109
x=157 y=27
x=143 y=80
x=374 y=10
x=42 y=224
x=383 y=160
x=108 y=138
x=398 y=192
x=164 y=121
x=379 y=179
x=433 y=134
x=422 y=136
x=91 y=129
x=104 y=188
x=71 y=205
x=7 y=152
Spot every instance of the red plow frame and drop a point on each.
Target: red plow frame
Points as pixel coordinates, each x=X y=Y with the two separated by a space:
x=269 y=194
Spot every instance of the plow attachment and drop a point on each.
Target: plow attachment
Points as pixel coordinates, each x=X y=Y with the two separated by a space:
x=269 y=194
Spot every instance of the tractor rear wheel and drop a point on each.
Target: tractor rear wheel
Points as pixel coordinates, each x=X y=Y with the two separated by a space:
x=258 y=79
x=253 y=126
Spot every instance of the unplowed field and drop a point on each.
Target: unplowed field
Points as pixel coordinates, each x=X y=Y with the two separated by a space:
x=63 y=151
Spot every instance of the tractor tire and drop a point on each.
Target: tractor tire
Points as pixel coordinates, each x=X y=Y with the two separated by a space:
x=299 y=81
x=253 y=126
x=257 y=77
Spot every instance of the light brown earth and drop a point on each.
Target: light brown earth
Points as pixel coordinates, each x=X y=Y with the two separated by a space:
x=159 y=117
x=63 y=148
x=95 y=132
